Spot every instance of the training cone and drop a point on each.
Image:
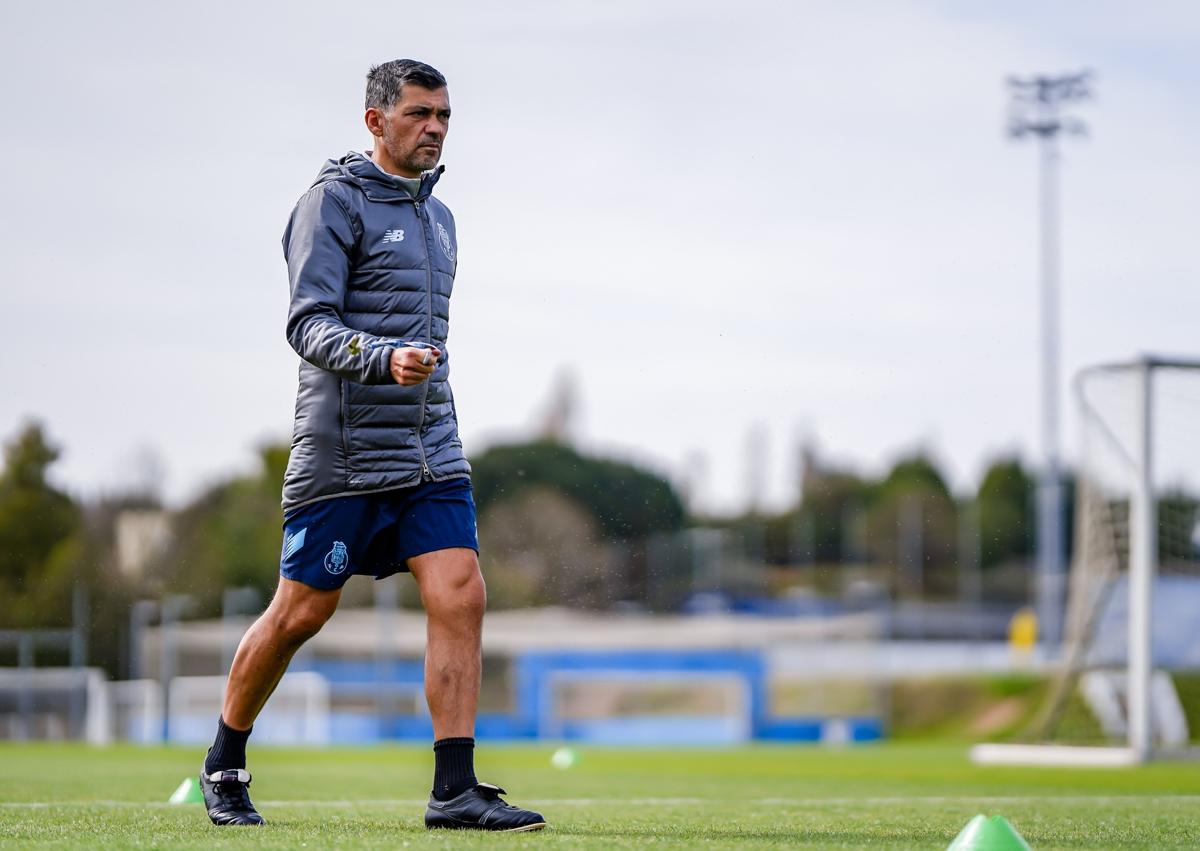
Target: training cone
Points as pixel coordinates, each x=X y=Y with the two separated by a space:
x=187 y=793
x=988 y=834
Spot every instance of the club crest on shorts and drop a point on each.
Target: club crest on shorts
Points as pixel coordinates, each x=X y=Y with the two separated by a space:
x=447 y=246
x=337 y=559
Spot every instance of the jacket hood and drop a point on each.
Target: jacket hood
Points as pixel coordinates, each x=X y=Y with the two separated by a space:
x=375 y=184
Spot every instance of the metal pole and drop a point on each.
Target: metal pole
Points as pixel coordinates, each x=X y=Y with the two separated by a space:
x=25 y=661
x=235 y=604
x=140 y=615
x=849 y=544
x=173 y=606
x=79 y=625
x=387 y=604
x=229 y=628
x=1143 y=565
x=970 y=568
x=912 y=544
x=1049 y=519
x=78 y=643
x=1036 y=104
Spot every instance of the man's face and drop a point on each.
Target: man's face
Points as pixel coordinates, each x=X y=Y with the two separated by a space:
x=413 y=130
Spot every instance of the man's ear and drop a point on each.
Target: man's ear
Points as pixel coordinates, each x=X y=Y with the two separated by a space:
x=373 y=119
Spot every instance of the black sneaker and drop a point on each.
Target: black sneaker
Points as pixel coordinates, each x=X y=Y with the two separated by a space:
x=481 y=808
x=227 y=796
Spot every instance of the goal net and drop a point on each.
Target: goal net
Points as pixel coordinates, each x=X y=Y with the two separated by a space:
x=1134 y=586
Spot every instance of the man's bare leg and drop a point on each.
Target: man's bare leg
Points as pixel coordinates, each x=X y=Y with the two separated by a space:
x=297 y=613
x=454 y=596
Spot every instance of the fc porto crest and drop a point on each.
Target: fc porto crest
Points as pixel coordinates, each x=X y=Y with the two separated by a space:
x=337 y=559
x=447 y=245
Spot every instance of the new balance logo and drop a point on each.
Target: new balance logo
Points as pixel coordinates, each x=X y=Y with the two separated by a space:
x=393 y=235
x=292 y=543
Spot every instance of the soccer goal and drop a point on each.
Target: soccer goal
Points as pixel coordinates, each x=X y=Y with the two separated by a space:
x=55 y=704
x=1134 y=587
x=296 y=714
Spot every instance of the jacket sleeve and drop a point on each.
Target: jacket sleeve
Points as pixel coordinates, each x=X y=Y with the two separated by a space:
x=317 y=244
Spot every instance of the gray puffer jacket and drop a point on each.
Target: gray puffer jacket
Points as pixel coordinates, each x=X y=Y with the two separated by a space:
x=371 y=268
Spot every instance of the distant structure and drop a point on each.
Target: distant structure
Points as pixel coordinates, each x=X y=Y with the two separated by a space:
x=807 y=466
x=142 y=534
x=559 y=420
x=757 y=450
x=1036 y=110
x=694 y=481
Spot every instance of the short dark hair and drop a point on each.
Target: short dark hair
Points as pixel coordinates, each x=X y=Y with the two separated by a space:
x=385 y=81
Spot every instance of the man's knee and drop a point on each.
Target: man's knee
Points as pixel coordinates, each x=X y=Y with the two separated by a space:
x=454 y=587
x=462 y=596
x=473 y=592
x=299 y=614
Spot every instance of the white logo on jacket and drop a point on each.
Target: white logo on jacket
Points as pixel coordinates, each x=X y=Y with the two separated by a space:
x=396 y=235
x=447 y=246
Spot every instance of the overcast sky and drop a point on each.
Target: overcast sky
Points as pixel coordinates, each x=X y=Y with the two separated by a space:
x=800 y=218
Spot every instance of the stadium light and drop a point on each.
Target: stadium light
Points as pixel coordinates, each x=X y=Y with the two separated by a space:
x=1036 y=110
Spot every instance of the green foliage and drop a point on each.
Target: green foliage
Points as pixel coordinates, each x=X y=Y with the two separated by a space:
x=914 y=501
x=38 y=553
x=1012 y=684
x=844 y=517
x=628 y=502
x=1187 y=684
x=230 y=536
x=1005 y=502
x=913 y=474
x=965 y=708
x=1178 y=509
x=830 y=499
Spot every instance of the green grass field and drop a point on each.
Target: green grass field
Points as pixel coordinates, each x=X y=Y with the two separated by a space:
x=889 y=796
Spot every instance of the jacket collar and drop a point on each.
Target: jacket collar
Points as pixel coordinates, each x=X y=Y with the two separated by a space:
x=376 y=184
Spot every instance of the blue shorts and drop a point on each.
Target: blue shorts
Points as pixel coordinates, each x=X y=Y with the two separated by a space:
x=327 y=542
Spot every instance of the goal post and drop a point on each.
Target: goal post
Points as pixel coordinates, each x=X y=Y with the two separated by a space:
x=1136 y=516
x=1143 y=565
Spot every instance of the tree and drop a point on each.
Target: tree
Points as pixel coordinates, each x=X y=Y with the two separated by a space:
x=830 y=500
x=627 y=501
x=1004 y=499
x=912 y=520
x=230 y=536
x=542 y=547
x=37 y=525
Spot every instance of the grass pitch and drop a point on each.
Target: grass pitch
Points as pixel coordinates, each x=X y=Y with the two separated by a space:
x=891 y=796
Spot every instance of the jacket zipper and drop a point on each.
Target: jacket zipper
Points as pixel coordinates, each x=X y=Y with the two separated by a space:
x=425 y=472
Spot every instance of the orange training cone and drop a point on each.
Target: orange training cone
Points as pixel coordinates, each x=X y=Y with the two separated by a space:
x=988 y=834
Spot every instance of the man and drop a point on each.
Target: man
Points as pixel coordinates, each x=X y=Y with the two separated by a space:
x=377 y=482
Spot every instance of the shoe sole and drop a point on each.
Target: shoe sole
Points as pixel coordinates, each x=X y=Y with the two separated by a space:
x=527 y=827
x=459 y=825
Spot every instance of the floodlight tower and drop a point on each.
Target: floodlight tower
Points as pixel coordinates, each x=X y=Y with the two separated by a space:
x=1036 y=109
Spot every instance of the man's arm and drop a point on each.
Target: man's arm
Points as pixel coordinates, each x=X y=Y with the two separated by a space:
x=317 y=244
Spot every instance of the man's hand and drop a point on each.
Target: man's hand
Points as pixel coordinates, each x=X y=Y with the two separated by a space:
x=411 y=365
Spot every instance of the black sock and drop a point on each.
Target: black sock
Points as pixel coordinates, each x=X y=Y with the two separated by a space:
x=454 y=767
x=228 y=750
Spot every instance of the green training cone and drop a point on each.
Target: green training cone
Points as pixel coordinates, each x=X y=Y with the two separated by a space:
x=187 y=793
x=988 y=834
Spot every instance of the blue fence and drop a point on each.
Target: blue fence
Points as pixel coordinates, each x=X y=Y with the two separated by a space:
x=397 y=685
